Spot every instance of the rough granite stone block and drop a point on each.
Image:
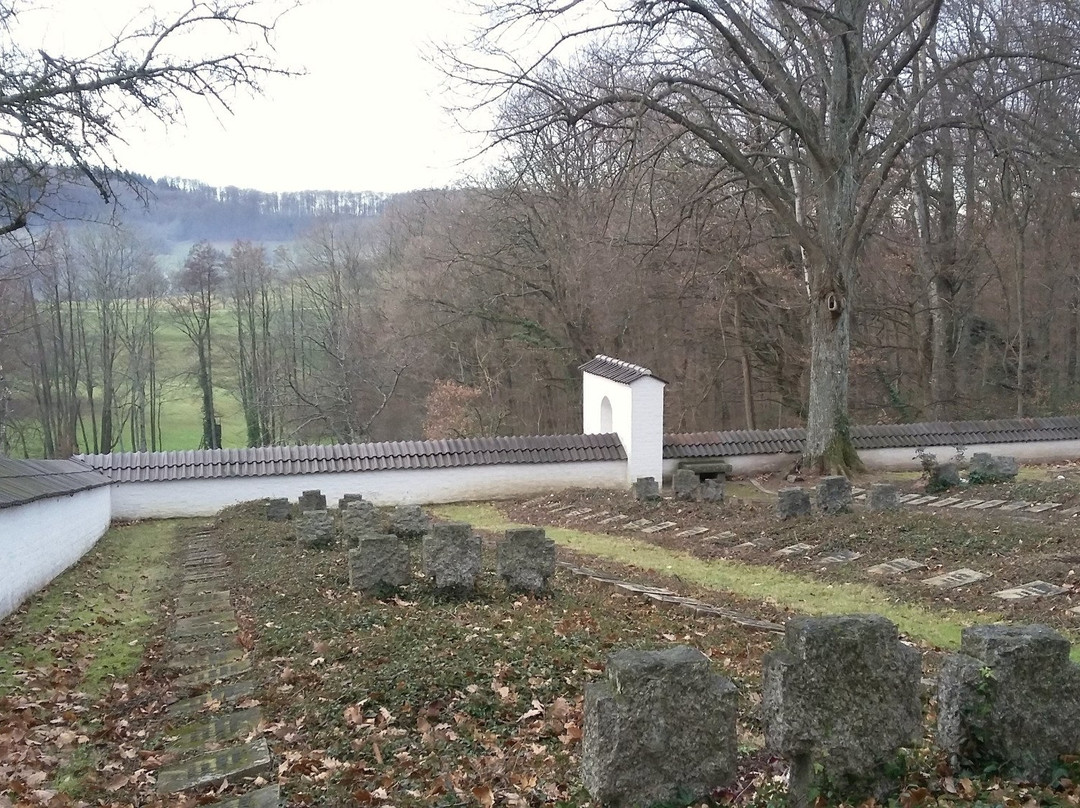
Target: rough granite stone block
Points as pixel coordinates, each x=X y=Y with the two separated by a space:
x=792 y=502
x=379 y=564
x=525 y=560
x=452 y=555
x=409 y=522
x=278 y=510
x=315 y=529
x=358 y=519
x=646 y=489
x=343 y=503
x=313 y=500
x=943 y=476
x=660 y=729
x=1010 y=699
x=711 y=490
x=684 y=483
x=834 y=494
x=883 y=497
x=987 y=468
x=839 y=701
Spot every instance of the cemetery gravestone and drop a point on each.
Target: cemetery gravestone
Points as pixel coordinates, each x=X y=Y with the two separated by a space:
x=344 y=502
x=1010 y=699
x=987 y=468
x=840 y=700
x=883 y=497
x=684 y=484
x=661 y=728
x=525 y=560
x=278 y=510
x=312 y=500
x=834 y=494
x=359 y=519
x=379 y=565
x=792 y=502
x=315 y=529
x=711 y=490
x=452 y=555
x=646 y=489
x=409 y=522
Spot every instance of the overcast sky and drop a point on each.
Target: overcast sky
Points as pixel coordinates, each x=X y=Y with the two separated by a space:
x=367 y=116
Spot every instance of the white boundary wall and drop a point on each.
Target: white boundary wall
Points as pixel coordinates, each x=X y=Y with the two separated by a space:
x=905 y=459
x=205 y=497
x=41 y=539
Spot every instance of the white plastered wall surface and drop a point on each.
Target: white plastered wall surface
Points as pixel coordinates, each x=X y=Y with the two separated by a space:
x=41 y=539
x=636 y=416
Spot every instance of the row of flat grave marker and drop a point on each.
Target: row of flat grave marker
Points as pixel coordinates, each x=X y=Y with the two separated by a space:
x=219 y=746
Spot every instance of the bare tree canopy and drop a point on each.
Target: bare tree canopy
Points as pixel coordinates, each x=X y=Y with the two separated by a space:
x=822 y=108
x=62 y=115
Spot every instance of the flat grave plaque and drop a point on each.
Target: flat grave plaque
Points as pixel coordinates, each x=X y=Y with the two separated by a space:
x=942 y=503
x=746 y=545
x=637 y=524
x=990 y=503
x=229 y=727
x=659 y=526
x=226 y=694
x=557 y=506
x=968 y=503
x=793 y=549
x=267 y=797
x=957 y=578
x=614 y=518
x=577 y=512
x=907 y=498
x=197 y=660
x=564 y=508
x=692 y=531
x=923 y=500
x=1043 y=507
x=246 y=760
x=857 y=491
x=1015 y=506
x=641 y=589
x=591 y=516
x=1032 y=589
x=217 y=673
x=898 y=566
x=839 y=557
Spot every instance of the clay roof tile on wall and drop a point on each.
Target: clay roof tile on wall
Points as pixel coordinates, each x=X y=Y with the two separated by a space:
x=23 y=481
x=617 y=370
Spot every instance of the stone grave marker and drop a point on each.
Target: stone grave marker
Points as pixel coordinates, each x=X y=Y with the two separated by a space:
x=637 y=524
x=834 y=494
x=379 y=564
x=219 y=729
x=792 y=502
x=247 y=760
x=358 y=519
x=1015 y=506
x=313 y=500
x=659 y=526
x=660 y=728
x=990 y=503
x=883 y=497
x=1032 y=589
x=898 y=566
x=410 y=522
x=265 y=797
x=839 y=557
x=563 y=509
x=452 y=555
x=228 y=693
x=925 y=499
x=944 y=503
x=343 y=503
x=957 y=578
x=987 y=468
x=790 y=550
x=968 y=503
x=646 y=489
x=217 y=673
x=693 y=531
x=746 y=545
x=278 y=509
x=840 y=699
x=315 y=528
x=589 y=517
x=525 y=560
x=614 y=518
x=1043 y=507
x=711 y=491
x=1010 y=700
x=684 y=484
x=576 y=513
x=906 y=498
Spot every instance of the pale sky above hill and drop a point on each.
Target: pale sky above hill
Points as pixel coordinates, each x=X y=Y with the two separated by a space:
x=367 y=116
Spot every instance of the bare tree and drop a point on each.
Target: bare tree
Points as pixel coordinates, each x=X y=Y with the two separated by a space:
x=196 y=288
x=800 y=99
